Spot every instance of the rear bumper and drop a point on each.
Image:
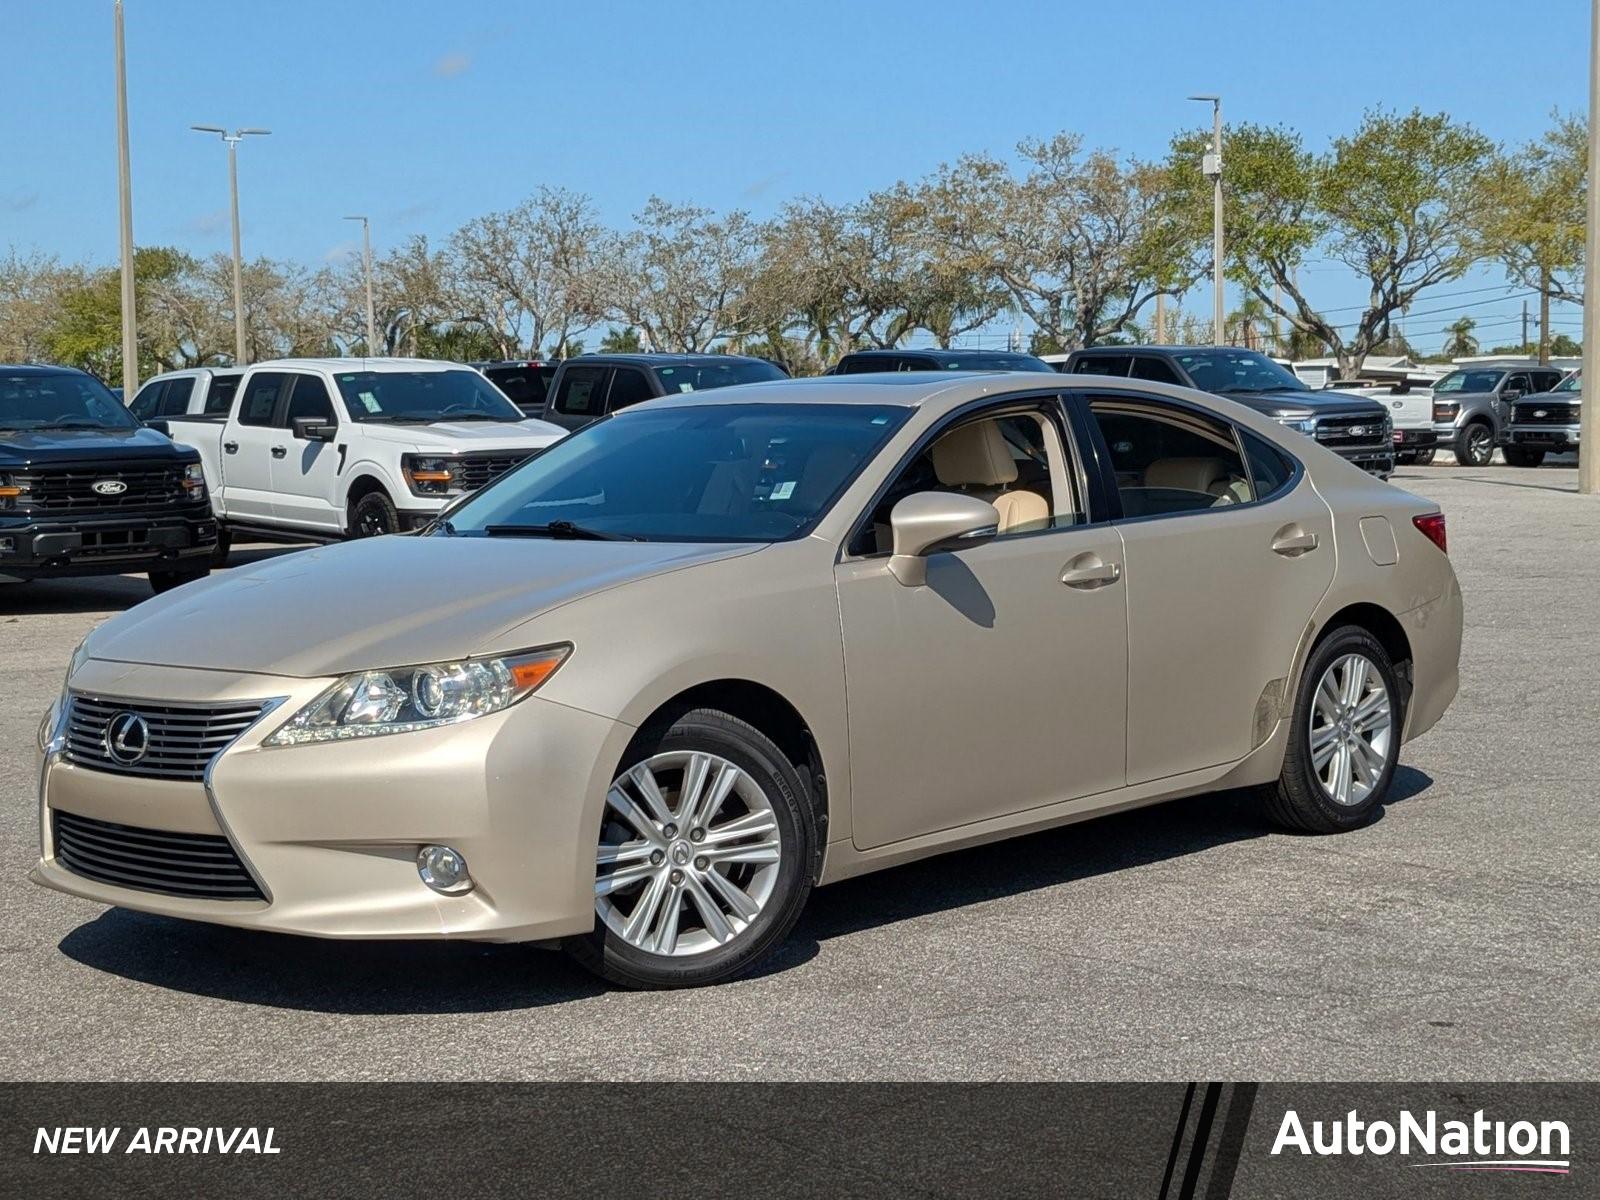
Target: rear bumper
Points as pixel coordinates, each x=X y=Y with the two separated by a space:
x=34 y=547
x=1434 y=632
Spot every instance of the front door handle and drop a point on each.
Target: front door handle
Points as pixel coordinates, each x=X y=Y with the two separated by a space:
x=1089 y=570
x=279 y=451
x=231 y=447
x=1291 y=541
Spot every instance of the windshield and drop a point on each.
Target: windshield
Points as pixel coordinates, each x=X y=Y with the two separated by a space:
x=422 y=396
x=61 y=400
x=1469 y=381
x=697 y=377
x=1224 y=371
x=993 y=362
x=717 y=473
x=1571 y=383
x=524 y=386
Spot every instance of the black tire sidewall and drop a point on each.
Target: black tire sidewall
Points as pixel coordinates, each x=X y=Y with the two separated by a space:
x=165 y=581
x=1464 y=443
x=718 y=733
x=378 y=504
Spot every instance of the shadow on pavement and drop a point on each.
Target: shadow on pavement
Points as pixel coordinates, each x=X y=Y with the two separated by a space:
x=371 y=978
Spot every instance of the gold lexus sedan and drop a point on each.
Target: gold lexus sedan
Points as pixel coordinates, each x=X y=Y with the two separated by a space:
x=639 y=696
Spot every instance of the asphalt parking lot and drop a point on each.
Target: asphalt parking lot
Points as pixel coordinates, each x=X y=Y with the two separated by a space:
x=1454 y=938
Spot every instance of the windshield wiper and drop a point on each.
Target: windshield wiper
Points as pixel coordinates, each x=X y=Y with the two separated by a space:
x=472 y=417
x=558 y=529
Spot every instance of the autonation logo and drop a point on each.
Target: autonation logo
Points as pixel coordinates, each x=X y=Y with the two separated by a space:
x=1476 y=1145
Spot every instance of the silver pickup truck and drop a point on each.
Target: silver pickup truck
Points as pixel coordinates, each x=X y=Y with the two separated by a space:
x=1544 y=424
x=1472 y=406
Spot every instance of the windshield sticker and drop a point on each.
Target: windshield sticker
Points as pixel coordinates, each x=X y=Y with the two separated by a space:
x=370 y=402
x=783 y=490
x=686 y=387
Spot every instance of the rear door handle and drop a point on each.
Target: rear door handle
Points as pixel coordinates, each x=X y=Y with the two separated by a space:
x=1291 y=541
x=231 y=447
x=279 y=451
x=1089 y=570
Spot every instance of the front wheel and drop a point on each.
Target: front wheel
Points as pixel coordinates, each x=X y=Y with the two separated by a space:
x=165 y=581
x=1424 y=458
x=1474 y=445
x=373 y=516
x=219 y=552
x=1521 y=456
x=1345 y=740
x=704 y=856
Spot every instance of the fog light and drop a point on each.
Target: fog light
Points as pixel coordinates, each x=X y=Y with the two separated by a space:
x=444 y=870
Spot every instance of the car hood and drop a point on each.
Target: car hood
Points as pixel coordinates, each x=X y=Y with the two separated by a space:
x=111 y=447
x=380 y=602
x=1294 y=403
x=468 y=435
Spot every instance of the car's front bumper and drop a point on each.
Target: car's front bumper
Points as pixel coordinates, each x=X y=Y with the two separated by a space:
x=40 y=547
x=1557 y=439
x=1416 y=438
x=1375 y=460
x=330 y=832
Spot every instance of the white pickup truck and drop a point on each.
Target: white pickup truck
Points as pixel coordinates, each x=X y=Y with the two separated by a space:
x=1410 y=406
x=327 y=448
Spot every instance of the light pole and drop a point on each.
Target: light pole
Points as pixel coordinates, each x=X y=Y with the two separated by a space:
x=233 y=139
x=366 y=263
x=1211 y=167
x=130 y=327
x=1588 y=425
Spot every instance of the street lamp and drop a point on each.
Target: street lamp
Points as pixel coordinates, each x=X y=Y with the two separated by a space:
x=130 y=328
x=233 y=139
x=1211 y=167
x=366 y=261
x=1588 y=422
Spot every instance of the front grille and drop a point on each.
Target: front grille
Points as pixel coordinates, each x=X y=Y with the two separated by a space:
x=1355 y=429
x=474 y=470
x=197 y=865
x=73 y=490
x=1554 y=414
x=182 y=739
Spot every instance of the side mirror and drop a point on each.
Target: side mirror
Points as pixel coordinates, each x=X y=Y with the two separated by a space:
x=314 y=429
x=160 y=427
x=1510 y=394
x=931 y=522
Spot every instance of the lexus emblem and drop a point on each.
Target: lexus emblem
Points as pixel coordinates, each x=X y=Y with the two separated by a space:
x=127 y=738
x=110 y=487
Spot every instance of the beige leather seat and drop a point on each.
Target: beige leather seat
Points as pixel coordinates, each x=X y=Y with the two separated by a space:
x=976 y=459
x=1208 y=475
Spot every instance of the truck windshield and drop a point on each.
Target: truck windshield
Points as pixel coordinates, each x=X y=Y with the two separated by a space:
x=1572 y=383
x=59 y=400
x=704 y=473
x=697 y=377
x=421 y=397
x=1469 y=381
x=1225 y=371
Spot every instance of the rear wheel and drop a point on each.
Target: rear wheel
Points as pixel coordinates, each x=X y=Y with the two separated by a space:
x=165 y=581
x=1521 y=456
x=1474 y=444
x=373 y=516
x=1424 y=458
x=1345 y=740
x=703 y=860
x=219 y=552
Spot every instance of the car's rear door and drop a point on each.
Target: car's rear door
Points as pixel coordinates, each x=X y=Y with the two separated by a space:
x=305 y=477
x=1228 y=550
x=248 y=441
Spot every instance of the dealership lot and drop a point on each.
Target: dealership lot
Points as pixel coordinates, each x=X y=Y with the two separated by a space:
x=1444 y=941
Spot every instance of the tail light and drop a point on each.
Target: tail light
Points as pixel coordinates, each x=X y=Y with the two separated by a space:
x=1432 y=526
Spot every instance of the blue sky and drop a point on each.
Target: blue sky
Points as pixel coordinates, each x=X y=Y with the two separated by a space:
x=426 y=114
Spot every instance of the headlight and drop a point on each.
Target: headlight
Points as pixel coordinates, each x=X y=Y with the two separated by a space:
x=370 y=703
x=431 y=474
x=1301 y=424
x=11 y=491
x=194 y=481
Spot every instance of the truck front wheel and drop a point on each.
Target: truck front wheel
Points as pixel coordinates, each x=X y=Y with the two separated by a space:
x=1475 y=444
x=373 y=516
x=1521 y=456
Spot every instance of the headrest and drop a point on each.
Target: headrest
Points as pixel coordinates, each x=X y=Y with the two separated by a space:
x=1209 y=475
x=975 y=455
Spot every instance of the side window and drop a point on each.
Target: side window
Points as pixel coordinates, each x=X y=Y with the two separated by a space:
x=628 y=386
x=308 y=398
x=914 y=364
x=1546 y=381
x=1270 y=468
x=1169 y=459
x=582 y=392
x=1103 y=364
x=175 y=400
x=1016 y=461
x=261 y=398
x=148 y=402
x=852 y=364
x=1516 y=383
x=1157 y=370
x=219 y=400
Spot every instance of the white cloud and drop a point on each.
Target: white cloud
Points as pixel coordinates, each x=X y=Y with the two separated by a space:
x=450 y=65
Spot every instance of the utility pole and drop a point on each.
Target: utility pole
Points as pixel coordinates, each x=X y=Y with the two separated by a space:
x=1589 y=426
x=1524 y=342
x=240 y=356
x=1277 y=317
x=1211 y=167
x=1161 y=318
x=130 y=318
x=366 y=261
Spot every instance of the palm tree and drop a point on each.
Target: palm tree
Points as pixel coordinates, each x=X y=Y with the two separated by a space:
x=1461 y=343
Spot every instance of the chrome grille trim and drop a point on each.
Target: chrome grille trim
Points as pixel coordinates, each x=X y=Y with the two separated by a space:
x=184 y=738
x=193 y=865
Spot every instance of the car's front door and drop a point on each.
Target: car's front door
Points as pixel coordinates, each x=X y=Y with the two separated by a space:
x=305 y=475
x=998 y=686
x=1228 y=551
x=247 y=445
x=1515 y=387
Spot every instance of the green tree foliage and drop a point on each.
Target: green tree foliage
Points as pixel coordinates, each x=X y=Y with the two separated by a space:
x=1461 y=343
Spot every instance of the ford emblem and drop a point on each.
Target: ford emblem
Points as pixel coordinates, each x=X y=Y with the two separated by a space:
x=1541 y=412
x=110 y=487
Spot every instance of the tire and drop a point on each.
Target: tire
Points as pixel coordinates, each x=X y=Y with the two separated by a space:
x=1520 y=456
x=219 y=552
x=1474 y=444
x=763 y=784
x=1424 y=458
x=1404 y=460
x=373 y=516
x=165 y=581
x=1303 y=799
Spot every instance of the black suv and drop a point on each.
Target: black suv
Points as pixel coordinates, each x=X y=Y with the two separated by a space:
x=863 y=362
x=526 y=382
x=588 y=387
x=85 y=489
x=1351 y=426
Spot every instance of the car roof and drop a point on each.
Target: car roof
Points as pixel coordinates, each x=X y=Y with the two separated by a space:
x=365 y=364
x=39 y=369
x=901 y=389
x=657 y=360
x=936 y=351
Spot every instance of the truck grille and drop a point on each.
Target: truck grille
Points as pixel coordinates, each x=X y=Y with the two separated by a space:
x=179 y=740
x=475 y=470
x=1355 y=429
x=73 y=490
x=1553 y=414
x=202 y=866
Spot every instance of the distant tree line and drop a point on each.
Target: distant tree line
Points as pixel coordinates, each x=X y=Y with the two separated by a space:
x=1076 y=243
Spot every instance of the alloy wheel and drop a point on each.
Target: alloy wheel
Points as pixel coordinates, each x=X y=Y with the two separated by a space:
x=1351 y=729
x=689 y=854
x=1480 y=446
